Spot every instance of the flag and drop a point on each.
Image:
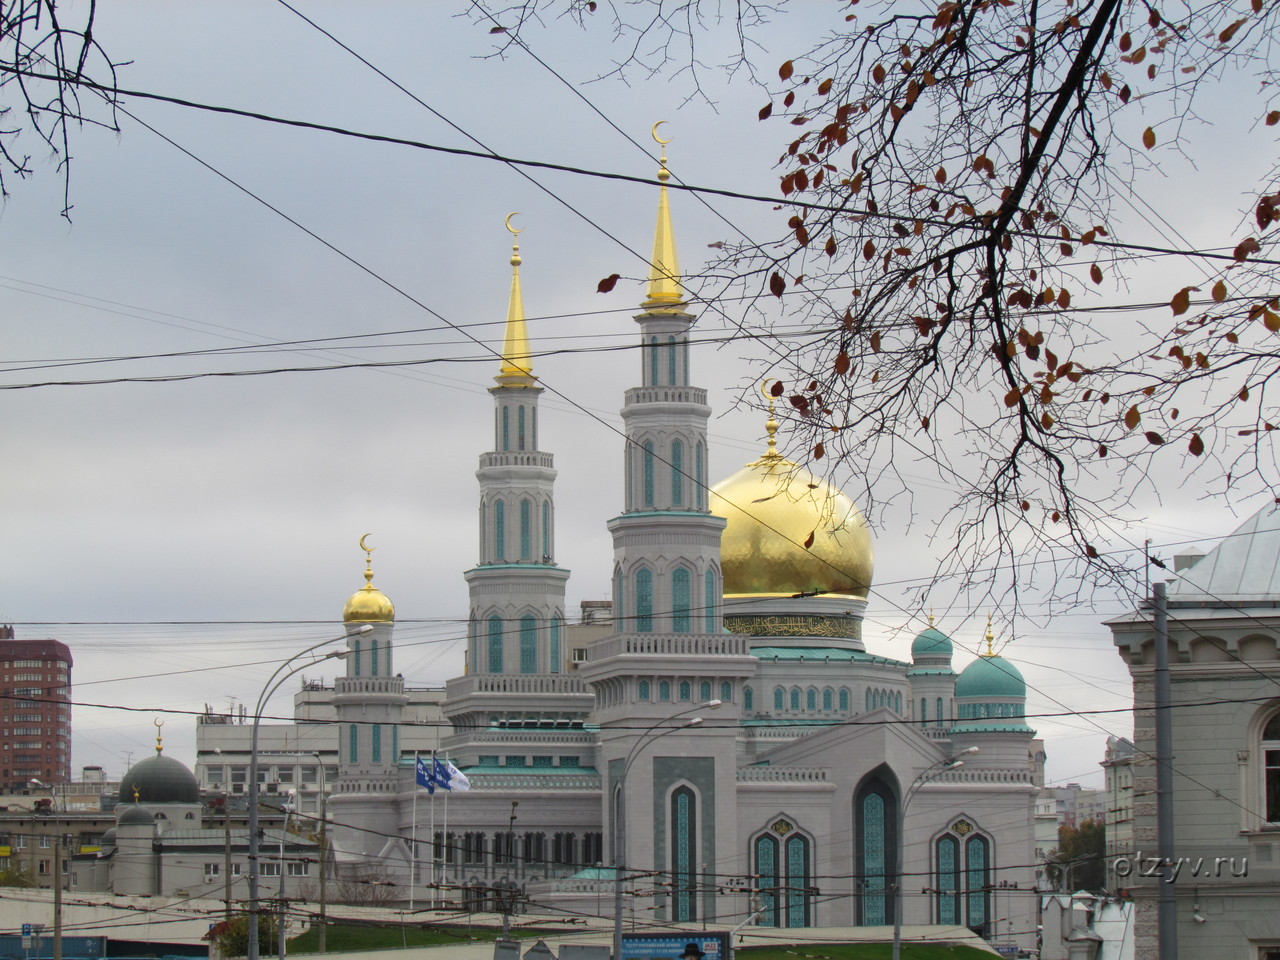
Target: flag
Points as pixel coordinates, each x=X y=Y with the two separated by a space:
x=425 y=776
x=457 y=777
x=440 y=773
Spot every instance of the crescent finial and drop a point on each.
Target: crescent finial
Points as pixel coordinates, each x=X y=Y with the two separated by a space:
x=512 y=229
x=654 y=133
x=764 y=388
x=365 y=547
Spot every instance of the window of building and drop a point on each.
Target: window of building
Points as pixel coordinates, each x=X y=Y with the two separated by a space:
x=704 y=691
x=664 y=690
x=828 y=699
x=513 y=761
x=211 y=871
x=643 y=689
x=875 y=815
x=269 y=868
x=571 y=761
x=495 y=644
x=782 y=857
x=680 y=600
x=526 y=530
x=748 y=699
x=648 y=473
x=528 y=644
x=555 y=644
x=677 y=474
x=499 y=531
x=1271 y=769
x=795 y=698
x=709 y=601
x=298 y=868
x=686 y=690
x=542 y=761
x=684 y=846
x=811 y=699
x=644 y=600
x=779 y=698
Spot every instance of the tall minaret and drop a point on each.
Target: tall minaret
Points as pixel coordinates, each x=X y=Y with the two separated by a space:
x=669 y=653
x=517 y=624
x=369 y=702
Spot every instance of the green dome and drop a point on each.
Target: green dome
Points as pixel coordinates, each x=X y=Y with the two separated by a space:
x=990 y=677
x=931 y=643
x=159 y=779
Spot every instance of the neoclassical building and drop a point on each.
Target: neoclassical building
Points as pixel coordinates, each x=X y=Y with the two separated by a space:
x=763 y=760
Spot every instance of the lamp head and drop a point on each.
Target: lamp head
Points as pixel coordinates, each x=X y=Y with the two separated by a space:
x=693 y=721
x=363 y=630
x=712 y=704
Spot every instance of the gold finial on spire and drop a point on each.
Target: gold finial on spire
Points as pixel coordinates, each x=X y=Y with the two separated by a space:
x=665 y=289
x=930 y=618
x=368 y=604
x=136 y=795
x=517 y=366
x=159 y=737
x=991 y=639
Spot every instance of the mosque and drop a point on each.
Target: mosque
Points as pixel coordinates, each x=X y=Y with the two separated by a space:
x=721 y=731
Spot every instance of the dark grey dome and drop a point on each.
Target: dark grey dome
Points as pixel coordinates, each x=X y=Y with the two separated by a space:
x=134 y=817
x=159 y=779
x=108 y=838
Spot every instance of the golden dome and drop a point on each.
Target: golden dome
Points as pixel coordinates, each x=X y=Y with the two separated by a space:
x=773 y=507
x=368 y=604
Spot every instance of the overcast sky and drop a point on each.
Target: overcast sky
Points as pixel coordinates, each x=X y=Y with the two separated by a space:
x=182 y=536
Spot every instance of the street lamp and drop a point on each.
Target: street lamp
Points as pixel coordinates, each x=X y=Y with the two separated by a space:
x=324 y=844
x=930 y=773
x=281 y=674
x=57 y=865
x=652 y=734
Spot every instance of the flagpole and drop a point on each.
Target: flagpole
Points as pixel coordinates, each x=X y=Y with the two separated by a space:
x=433 y=833
x=413 y=841
x=447 y=849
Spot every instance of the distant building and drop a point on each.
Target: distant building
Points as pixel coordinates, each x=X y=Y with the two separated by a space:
x=1117 y=766
x=35 y=711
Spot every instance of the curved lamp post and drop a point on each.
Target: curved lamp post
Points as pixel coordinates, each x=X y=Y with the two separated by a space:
x=57 y=864
x=281 y=674
x=930 y=773
x=652 y=734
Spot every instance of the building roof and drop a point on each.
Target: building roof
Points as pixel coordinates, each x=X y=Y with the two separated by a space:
x=931 y=643
x=1245 y=565
x=990 y=676
x=159 y=779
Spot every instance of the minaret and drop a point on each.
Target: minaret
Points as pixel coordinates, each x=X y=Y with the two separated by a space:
x=369 y=701
x=516 y=626
x=669 y=652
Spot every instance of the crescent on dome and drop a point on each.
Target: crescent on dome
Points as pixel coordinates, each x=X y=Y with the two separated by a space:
x=654 y=133
x=508 y=225
x=364 y=546
x=764 y=388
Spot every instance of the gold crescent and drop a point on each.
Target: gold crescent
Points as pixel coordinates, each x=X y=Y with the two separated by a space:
x=158 y=723
x=764 y=388
x=363 y=547
x=513 y=230
x=654 y=133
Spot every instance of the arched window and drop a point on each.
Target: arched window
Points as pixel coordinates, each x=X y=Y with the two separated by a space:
x=709 y=600
x=1270 y=750
x=373 y=657
x=701 y=491
x=526 y=531
x=844 y=699
x=495 y=644
x=779 y=698
x=520 y=427
x=938 y=715
x=555 y=643
x=684 y=855
x=681 y=600
x=748 y=699
x=664 y=690
x=671 y=361
x=686 y=690
x=704 y=691
x=795 y=698
x=648 y=473
x=828 y=699
x=924 y=710
x=643 y=688
x=897 y=703
x=533 y=417
x=783 y=866
x=977 y=856
x=506 y=428
x=811 y=699
x=868 y=699
x=653 y=361
x=677 y=473
x=726 y=691
x=947 y=851
x=355 y=659
x=875 y=815
x=375 y=747
x=353 y=744
x=546 y=531
x=500 y=531
x=644 y=600
x=619 y=598
x=528 y=644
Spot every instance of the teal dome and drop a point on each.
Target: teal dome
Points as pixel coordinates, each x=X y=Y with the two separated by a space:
x=931 y=643
x=990 y=677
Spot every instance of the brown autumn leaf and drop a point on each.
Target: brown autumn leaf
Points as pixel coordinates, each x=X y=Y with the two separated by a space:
x=941 y=175
x=875 y=341
x=607 y=284
x=878 y=73
x=1154 y=438
x=1148 y=138
x=766 y=111
x=1226 y=35
x=825 y=87
x=1219 y=292
x=776 y=389
x=1273 y=118
x=830 y=247
x=1132 y=417
x=1272 y=320
x=776 y=284
x=1012 y=397
x=785 y=71
x=1181 y=301
x=1095 y=272
x=497 y=29
x=818 y=451
x=808 y=541
x=1090 y=552
x=842 y=364
x=1247 y=246
x=1196 y=446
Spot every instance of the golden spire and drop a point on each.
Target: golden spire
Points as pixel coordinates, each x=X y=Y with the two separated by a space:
x=517 y=366
x=930 y=618
x=368 y=604
x=771 y=428
x=136 y=795
x=159 y=739
x=991 y=639
x=665 y=289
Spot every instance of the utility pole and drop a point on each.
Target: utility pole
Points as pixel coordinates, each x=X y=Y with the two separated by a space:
x=226 y=854
x=1168 y=908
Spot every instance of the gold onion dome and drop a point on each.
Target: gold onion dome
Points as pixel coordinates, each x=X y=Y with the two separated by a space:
x=772 y=506
x=368 y=604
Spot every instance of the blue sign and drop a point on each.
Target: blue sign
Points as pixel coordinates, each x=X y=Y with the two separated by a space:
x=664 y=946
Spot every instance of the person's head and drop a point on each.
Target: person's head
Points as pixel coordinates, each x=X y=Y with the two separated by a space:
x=691 y=952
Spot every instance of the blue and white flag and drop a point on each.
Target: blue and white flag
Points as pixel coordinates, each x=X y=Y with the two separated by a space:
x=424 y=775
x=440 y=773
x=457 y=779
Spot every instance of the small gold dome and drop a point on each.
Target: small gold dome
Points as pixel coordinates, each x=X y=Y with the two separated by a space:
x=782 y=504
x=368 y=604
